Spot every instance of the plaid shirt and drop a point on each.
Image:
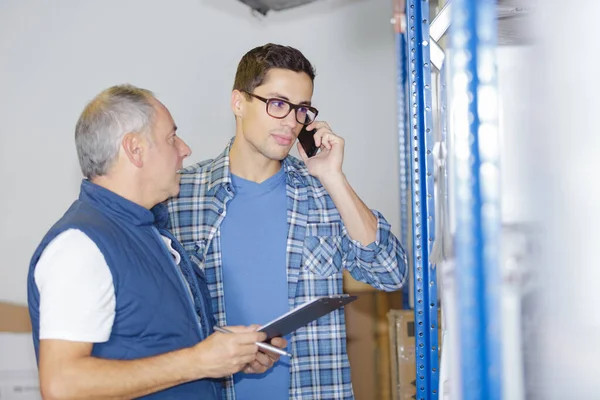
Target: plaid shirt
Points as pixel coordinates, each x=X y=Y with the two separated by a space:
x=318 y=249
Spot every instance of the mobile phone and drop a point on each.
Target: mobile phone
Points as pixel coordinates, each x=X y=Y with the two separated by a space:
x=307 y=141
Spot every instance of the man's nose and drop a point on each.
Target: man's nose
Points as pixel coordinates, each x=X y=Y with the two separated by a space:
x=185 y=150
x=290 y=120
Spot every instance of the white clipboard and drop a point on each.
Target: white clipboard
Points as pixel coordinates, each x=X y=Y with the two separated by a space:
x=305 y=314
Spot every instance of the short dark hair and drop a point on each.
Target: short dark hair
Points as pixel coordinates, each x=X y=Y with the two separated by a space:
x=255 y=64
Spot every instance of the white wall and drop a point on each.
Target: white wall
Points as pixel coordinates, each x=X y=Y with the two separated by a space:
x=565 y=318
x=55 y=56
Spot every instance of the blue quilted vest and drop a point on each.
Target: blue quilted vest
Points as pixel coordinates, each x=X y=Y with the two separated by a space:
x=154 y=312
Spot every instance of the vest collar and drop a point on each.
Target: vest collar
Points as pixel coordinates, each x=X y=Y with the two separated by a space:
x=114 y=205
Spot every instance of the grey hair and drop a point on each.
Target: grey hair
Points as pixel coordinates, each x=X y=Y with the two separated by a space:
x=105 y=120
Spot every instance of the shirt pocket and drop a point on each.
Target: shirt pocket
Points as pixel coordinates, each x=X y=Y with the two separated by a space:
x=322 y=253
x=196 y=252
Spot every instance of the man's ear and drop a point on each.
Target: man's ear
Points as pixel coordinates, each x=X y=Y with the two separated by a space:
x=133 y=146
x=238 y=101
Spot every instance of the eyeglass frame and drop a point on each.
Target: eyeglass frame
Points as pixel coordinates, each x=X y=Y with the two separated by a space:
x=293 y=107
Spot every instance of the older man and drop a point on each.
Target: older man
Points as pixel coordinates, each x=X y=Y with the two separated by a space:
x=117 y=308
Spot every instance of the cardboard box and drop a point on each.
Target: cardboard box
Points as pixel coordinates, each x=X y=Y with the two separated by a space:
x=368 y=343
x=18 y=368
x=402 y=349
x=351 y=285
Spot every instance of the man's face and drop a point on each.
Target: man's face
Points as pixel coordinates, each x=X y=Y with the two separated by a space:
x=165 y=154
x=272 y=137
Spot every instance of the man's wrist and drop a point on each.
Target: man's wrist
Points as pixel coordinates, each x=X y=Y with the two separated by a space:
x=334 y=181
x=192 y=367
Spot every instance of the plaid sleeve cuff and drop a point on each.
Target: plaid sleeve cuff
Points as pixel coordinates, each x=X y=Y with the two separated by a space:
x=368 y=253
x=382 y=263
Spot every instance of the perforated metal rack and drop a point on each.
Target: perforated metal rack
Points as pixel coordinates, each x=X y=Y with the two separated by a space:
x=474 y=95
x=471 y=89
x=422 y=187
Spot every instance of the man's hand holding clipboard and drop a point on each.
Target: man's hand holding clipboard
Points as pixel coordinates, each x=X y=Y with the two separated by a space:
x=299 y=317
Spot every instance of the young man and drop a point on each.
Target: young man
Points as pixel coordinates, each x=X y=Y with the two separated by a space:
x=117 y=308
x=272 y=232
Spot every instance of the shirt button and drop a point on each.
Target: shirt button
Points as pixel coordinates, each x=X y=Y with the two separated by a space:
x=220 y=211
x=229 y=188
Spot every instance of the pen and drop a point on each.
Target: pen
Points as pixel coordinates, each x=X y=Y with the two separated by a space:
x=259 y=344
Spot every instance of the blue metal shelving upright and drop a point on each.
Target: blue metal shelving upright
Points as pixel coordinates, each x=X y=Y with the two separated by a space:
x=422 y=187
x=403 y=147
x=473 y=36
x=403 y=139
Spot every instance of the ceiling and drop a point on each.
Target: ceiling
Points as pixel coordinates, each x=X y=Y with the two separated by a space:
x=513 y=16
x=514 y=20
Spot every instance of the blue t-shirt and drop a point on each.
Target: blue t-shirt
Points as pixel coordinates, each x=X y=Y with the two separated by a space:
x=253 y=247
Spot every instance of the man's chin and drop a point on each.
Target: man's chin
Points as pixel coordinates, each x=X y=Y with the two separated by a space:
x=174 y=191
x=279 y=154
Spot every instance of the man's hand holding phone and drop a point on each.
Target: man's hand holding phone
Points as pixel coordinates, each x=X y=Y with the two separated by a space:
x=326 y=164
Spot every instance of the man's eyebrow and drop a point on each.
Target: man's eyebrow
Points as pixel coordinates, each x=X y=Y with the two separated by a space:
x=282 y=97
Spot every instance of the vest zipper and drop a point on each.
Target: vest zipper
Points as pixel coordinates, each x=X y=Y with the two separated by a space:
x=216 y=390
x=181 y=280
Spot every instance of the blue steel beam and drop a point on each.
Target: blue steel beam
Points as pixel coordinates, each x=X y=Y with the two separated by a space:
x=403 y=147
x=422 y=185
x=473 y=37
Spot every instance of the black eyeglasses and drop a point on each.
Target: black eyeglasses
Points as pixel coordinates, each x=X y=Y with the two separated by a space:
x=279 y=108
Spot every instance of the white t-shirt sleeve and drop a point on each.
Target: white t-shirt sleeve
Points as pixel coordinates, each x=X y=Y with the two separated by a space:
x=77 y=296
